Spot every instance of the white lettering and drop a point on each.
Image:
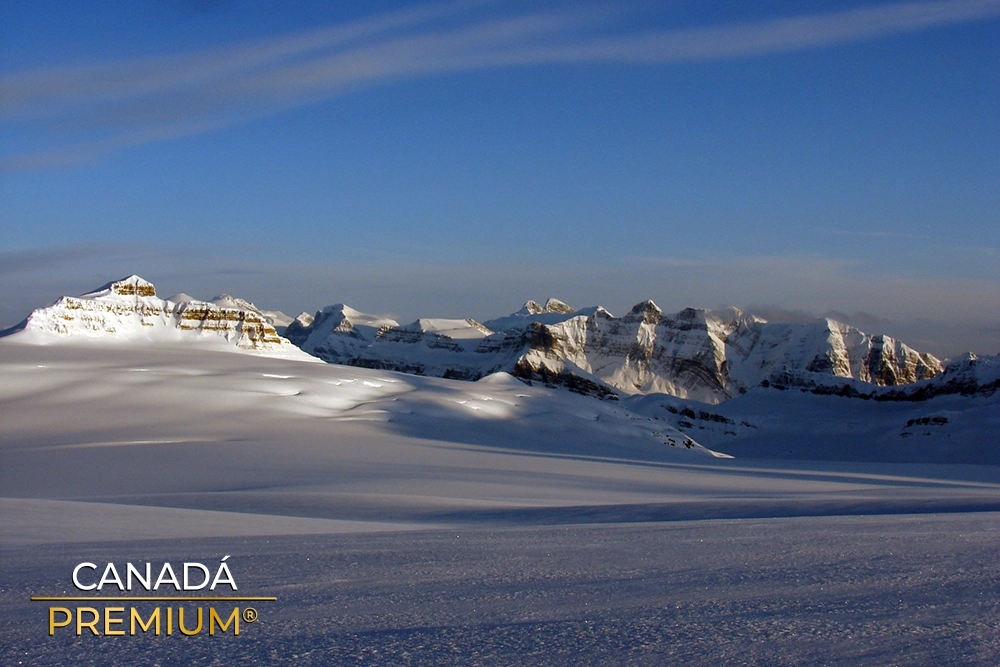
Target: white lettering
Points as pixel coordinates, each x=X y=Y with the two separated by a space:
x=111 y=577
x=162 y=579
x=144 y=581
x=76 y=573
x=196 y=577
x=218 y=576
x=188 y=586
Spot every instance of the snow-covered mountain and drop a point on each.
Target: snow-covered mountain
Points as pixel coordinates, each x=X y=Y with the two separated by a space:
x=706 y=355
x=968 y=375
x=553 y=312
x=129 y=310
x=337 y=334
x=435 y=347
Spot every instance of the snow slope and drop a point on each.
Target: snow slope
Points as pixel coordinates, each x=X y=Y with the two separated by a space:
x=193 y=427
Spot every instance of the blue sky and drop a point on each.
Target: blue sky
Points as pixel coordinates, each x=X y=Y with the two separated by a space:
x=456 y=159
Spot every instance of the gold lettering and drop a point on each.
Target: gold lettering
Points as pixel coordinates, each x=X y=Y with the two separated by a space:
x=109 y=620
x=69 y=617
x=180 y=622
x=137 y=617
x=92 y=624
x=234 y=619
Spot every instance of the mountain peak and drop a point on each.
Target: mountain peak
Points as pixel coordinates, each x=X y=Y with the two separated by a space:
x=456 y=329
x=647 y=306
x=530 y=308
x=317 y=334
x=648 y=311
x=554 y=305
x=131 y=286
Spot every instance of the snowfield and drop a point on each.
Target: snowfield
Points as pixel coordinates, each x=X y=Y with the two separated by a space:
x=414 y=520
x=839 y=591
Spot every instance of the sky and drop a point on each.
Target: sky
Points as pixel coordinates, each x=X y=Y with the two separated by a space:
x=427 y=159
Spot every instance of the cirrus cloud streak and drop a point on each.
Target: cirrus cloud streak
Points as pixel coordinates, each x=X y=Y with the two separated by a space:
x=84 y=111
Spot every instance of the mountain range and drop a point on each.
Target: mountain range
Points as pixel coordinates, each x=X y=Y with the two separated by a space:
x=709 y=356
x=705 y=355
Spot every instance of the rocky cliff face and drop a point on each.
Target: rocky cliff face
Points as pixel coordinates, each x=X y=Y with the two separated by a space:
x=642 y=352
x=337 y=334
x=129 y=309
x=711 y=356
x=458 y=349
x=704 y=355
x=968 y=375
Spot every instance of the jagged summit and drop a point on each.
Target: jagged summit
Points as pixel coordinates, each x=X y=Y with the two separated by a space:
x=532 y=313
x=554 y=305
x=129 y=310
x=647 y=306
x=646 y=311
x=968 y=375
x=530 y=308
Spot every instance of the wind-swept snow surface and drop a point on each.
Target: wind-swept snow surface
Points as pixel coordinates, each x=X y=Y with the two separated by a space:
x=172 y=425
x=834 y=591
x=197 y=428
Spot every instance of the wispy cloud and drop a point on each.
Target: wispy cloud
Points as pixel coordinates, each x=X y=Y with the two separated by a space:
x=121 y=104
x=775 y=36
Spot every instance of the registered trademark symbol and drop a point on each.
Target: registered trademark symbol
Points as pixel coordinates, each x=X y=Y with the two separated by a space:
x=250 y=615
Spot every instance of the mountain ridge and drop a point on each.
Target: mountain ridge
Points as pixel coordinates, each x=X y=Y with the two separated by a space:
x=706 y=355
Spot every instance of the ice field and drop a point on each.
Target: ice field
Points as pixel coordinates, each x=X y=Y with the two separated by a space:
x=408 y=520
